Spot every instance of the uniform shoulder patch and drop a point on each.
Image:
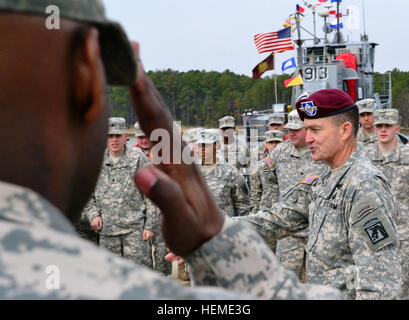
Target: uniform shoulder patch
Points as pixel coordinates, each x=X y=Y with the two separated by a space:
x=308 y=180
x=269 y=161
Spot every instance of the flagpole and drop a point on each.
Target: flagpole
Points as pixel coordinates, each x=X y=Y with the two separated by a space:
x=338 y=32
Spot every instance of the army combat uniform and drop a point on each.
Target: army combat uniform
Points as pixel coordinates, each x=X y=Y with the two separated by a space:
x=352 y=243
x=43 y=258
x=395 y=167
x=124 y=211
x=228 y=187
x=290 y=165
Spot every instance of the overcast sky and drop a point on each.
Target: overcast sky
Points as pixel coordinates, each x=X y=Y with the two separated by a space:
x=218 y=34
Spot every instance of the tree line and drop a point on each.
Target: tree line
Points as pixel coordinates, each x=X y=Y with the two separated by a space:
x=200 y=98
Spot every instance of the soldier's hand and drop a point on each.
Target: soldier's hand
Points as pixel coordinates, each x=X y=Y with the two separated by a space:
x=190 y=216
x=96 y=224
x=147 y=235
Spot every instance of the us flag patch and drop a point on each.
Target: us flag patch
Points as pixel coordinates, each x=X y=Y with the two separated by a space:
x=269 y=162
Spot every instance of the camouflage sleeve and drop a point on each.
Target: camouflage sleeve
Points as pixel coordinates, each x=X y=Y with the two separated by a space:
x=284 y=218
x=152 y=216
x=373 y=242
x=256 y=190
x=237 y=259
x=91 y=210
x=241 y=195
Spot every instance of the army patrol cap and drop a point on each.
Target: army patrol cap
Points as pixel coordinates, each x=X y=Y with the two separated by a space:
x=116 y=51
x=116 y=126
x=206 y=136
x=386 y=116
x=138 y=130
x=227 y=122
x=324 y=103
x=274 y=135
x=276 y=118
x=294 y=121
x=366 y=105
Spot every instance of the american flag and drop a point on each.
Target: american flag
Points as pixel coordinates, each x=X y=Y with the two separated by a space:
x=277 y=41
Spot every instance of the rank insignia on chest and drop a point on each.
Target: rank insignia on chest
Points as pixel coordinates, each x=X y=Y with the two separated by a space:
x=309 y=180
x=270 y=163
x=375 y=230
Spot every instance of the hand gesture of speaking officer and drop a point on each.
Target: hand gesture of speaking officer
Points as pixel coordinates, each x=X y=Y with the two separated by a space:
x=190 y=216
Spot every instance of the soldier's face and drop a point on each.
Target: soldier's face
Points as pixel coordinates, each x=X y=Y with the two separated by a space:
x=227 y=133
x=297 y=137
x=276 y=126
x=366 y=119
x=386 y=133
x=323 y=137
x=271 y=145
x=116 y=143
x=143 y=142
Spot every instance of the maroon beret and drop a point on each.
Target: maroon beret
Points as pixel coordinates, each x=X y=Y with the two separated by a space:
x=324 y=103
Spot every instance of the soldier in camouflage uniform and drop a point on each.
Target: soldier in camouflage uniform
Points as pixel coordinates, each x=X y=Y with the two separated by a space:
x=142 y=141
x=117 y=210
x=159 y=249
x=392 y=159
x=366 y=133
x=353 y=241
x=290 y=162
x=275 y=122
x=45 y=184
x=264 y=186
x=227 y=185
x=231 y=150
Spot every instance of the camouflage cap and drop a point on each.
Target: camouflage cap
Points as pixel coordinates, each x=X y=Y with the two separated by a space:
x=276 y=118
x=386 y=116
x=366 y=105
x=116 y=126
x=274 y=135
x=227 y=122
x=206 y=136
x=294 y=121
x=116 y=51
x=138 y=130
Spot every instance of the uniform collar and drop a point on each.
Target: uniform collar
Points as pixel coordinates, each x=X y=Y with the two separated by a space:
x=23 y=206
x=123 y=161
x=394 y=156
x=329 y=182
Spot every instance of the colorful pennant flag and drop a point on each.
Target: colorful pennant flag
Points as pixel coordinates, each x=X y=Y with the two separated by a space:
x=278 y=41
x=300 y=9
x=263 y=66
x=309 y=5
x=296 y=81
x=288 y=64
x=322 y=1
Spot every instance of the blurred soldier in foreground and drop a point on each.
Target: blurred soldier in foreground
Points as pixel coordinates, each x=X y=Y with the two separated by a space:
x=352 y=242
x=225 y=182
x=45 y=183
x=290 y=163
x=392 y=158
x=117 y=210
x=366 y=133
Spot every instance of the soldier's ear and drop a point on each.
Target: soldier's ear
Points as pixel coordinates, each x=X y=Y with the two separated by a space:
x=346 y=130
x=88 y=78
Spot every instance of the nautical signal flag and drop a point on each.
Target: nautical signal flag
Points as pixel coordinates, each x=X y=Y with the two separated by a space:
x=278 y=41
x=334 y=26
x=296 y=81
x=263 y=66
x=288 y=64
x=309 y=5
x=322 y=1
x=336 y=1
x=300 y=9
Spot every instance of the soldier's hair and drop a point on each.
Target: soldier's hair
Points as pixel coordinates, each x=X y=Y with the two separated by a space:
x=351 y=116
